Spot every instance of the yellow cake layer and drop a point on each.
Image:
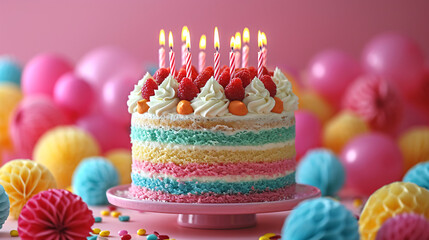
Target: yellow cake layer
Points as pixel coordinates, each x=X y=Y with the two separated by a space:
x=179 y=155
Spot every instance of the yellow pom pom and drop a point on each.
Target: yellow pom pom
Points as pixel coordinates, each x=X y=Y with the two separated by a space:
x=10 y=95
x=389 y=201
x=314 y=103
x=414 y=145
x=121 y=159
x=61 y=149
x=341 y=129
x=22 y=179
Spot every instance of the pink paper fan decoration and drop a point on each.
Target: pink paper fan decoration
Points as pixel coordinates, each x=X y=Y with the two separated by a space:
x=409 y=226
x=373 y=99
x=55 y=214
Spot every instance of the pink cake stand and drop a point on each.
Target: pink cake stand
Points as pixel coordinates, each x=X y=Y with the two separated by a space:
x=208 y=215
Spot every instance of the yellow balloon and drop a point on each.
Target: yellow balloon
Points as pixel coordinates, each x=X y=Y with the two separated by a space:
x=316 y=104
x=122 y=160
x=414 y=145
x=341 y=129
x=10 y=96
x=22 y=179
x=61 y=150
x=389 y=201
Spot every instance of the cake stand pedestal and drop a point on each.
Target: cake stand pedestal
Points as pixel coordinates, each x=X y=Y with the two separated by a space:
x=211 y=215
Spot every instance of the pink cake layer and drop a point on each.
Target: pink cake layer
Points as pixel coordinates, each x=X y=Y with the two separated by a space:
x=199 y=170
x=143 y=193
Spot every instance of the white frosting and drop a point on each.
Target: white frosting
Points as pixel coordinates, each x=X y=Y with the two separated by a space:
x=284 y=91
x=165 y=99
x=136 y=95
x=211 y=101
x=257 y=98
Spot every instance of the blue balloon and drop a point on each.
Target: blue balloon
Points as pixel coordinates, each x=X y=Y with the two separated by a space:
x=10 y=71
x=322 y=169
x=4 y=206
x=92 y=178
x=419 y=174
x=321 y=218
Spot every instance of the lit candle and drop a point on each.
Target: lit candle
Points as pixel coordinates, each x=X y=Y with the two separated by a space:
x=246 y=37
x=216 y=55
x=188 y=57
x=260 y=55
x=202 y=56
x=185 y=31
x=232 y=58
x=162 y=49
x=237 y=47
x=264 y=48
x=172 y=57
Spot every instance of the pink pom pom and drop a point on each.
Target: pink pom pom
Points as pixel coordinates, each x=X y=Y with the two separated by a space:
x=55 y=214
x=376 y=102
x=409 y=226
x=33 y=117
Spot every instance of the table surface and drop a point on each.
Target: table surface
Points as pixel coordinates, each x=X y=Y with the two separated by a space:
x=166 y=224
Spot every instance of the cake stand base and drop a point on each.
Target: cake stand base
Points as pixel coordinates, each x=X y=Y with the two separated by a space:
x=211 y=215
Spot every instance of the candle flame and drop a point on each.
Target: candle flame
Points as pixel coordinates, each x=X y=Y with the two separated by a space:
x=185 y=31
x=170 y=39
x=188 y=40
x=232 y=43
x=216 y=38
x=264 y=39
x=203 y=42
x=237 y=44
x=246 y=35
x=162 y=37
x=259 y=39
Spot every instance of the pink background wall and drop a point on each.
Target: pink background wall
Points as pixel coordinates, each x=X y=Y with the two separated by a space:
x=296 y=29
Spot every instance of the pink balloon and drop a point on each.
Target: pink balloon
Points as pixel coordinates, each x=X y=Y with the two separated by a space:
x=330 y=73
x=42 y=72
x=34 y=116
x=371 y=161
x=108 y=134
x=103 y=63
x=308 y=132
x=114 y=99
x=398 y=58
x=74 y=95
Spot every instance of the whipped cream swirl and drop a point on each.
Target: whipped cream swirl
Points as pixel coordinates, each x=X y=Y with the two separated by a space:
x=136 y=94
x=211 y=101
x=284 y=91
x=257 y=98
x=165 y=99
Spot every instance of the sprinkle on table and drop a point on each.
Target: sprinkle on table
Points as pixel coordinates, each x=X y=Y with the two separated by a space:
x=115 y=214
x=96 y=230
x=124 y=218
x=122 y=232
x=141 y=232
x=151 y=237
x=105 y=213
x=97 y=219
x=104 y=233
x=111 y=208
x=126 y=237
x=93 y=237
x=14 y=233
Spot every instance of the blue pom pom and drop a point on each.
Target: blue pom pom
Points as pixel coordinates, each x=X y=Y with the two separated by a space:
x=10 y=71
x=320 y=218
x=419 y=174
x=322 y=169
x=92 y=178
x=4 y=206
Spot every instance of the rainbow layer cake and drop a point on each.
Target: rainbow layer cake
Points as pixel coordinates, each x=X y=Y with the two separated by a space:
x=201 y=140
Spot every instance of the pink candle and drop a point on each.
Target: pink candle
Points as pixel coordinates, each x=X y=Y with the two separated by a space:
x=172 y=55
x=260 y=56
x=237 y=59
x=264 y=53
x=202 y=55
x=161 y=51
x=184 y=52
x=188 y=57
x=216 y=55
x=246 y=38
x=185 y=31
x=237 y=46
x=232 y=58
x=264 y=48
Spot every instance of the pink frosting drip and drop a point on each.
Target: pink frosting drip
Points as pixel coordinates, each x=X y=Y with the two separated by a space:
x=198 y=170
x=55 y=214
x=146 y=194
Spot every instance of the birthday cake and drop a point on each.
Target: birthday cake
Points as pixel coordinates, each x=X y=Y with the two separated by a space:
x=201 y=140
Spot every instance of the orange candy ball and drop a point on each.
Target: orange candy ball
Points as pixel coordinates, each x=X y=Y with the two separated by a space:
x=184 y=107
x=142 y=106
x=238 y=108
